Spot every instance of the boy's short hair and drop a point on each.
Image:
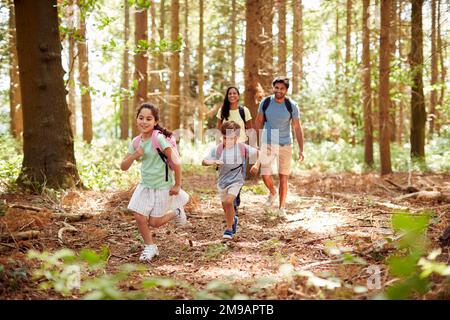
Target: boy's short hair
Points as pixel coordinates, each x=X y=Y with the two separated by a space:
x=229 y=126
x=283 y=80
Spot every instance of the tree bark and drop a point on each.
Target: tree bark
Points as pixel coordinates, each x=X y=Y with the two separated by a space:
x=186 y=105
x=418 y=114
x=383 y=97
x=266 y=69
x=47 y=139
x=15 y=100
x=434 y=68
x=71 y=65
x=162 y=64
x=347 y=103
x=402 y=86
x=153 y=85
x=297 y=51
x=201 y=115
x=393 y=48
x=282 y=43
x=125 y=101
x=442 y=65
x=338 y=55
x=83 y=65
x=253 y=17
x=140 y=61
x=175 y=68
x=233 y=41
x=367 y=91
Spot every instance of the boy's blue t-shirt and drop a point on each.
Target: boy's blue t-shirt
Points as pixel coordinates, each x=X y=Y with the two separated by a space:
x=229 y=173
x=277 y=128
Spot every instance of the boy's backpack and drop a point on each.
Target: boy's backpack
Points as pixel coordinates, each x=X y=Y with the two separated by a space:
x=242 y=149
x=266 y=104
x=157 y=147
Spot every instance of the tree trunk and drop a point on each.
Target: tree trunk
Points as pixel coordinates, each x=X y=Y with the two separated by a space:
x=348 y=49
x=71 y=65
x=434 y=68
x=383 y=97
x=297 y=50
x=15 y=101
x=162 y=64
x=233 y=42
x=83 y=65
x=367 y=91
x=175 y=68
x=125 y=101
x=186 y=105
x=201 y=115
x=393 y=48
x=266 y=71
x=441 y=60
x=140 y=61
x=153 y=85
x=338 y=55
x=47 y=138
x=253 y=18
x=402 y=86
x=282 y=43
x=418 y=114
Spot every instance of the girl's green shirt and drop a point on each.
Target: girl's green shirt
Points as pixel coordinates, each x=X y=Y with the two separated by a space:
x=153 y=169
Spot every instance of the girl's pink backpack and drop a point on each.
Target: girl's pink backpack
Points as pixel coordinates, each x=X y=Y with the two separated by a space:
x=157 y=147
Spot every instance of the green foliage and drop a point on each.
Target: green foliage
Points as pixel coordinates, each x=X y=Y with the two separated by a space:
x=66 y=272
x=99 y=164
x=10 y=160
x=408 y=263
x=340 y=156
x=258 y=189
x=220 y=290
x=160 y=47
x=57 y=270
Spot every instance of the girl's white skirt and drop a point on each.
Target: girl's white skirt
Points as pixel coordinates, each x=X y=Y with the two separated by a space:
x=156 y=202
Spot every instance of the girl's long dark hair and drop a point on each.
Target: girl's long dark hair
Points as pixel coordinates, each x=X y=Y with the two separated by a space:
x=155 y=113
x=225 y=110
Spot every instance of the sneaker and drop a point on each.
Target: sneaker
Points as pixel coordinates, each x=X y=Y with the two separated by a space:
x=270 y=199
x=150 y=251
x=228 y=234
x=236 y=219
x=281 y=212
x=180 y=218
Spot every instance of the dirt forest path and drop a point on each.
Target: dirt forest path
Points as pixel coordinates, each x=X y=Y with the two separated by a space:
x=328 y=215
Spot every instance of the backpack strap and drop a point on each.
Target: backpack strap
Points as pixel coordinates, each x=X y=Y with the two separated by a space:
x=136 y=142
x=157 y=146
x=265 y=105
x=242 y=114
x=243 y=149
x=288 y=105
x=219 y=150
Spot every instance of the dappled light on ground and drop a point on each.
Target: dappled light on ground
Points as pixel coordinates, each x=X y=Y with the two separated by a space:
x=328 y=219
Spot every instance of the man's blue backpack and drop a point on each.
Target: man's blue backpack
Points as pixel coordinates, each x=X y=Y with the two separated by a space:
x=266 y=103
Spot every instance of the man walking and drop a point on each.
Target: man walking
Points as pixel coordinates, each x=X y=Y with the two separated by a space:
x=276 y=114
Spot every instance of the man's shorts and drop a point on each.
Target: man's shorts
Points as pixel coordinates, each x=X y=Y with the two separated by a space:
x=283 y=154
x=233 y=189
x=156 y=202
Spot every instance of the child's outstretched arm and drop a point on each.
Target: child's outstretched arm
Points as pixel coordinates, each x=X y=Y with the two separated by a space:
x=130 y=157
x=211 y=162
x=172 y=156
